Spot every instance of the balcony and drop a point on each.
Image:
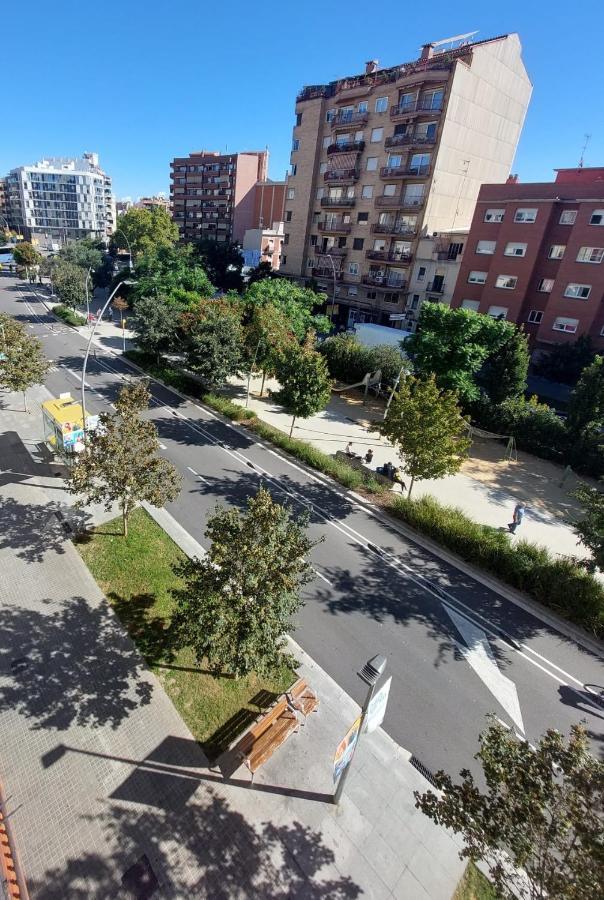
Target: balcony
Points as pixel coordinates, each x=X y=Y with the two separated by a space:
x=395 y=257
x=321 y=272
x=336 y=227
x=331 y=202
x=341 y=176
x=420 y=107
x=346 y=147
x=342 y=119
x=384 y=282
x=399 y=202
x=331 y=251
x=404 y=171
x=409 y=140
x=436 y=287
x=394 y=228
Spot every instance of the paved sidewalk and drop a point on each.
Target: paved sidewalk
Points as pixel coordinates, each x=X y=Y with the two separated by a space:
x=108 y=791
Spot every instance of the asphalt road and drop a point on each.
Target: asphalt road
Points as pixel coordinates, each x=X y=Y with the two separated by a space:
x=456 y=650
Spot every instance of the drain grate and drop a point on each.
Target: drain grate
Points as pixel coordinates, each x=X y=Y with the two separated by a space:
x=139 y=881
x=423 y=770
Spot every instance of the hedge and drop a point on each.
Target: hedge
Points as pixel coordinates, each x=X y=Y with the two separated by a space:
x=558 y=583
x=349 y=361
x=68 y=315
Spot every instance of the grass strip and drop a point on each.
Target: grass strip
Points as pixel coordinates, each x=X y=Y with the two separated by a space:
x=475 y=886
x=68 y=315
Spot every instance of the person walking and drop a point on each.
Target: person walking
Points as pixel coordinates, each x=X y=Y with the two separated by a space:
x=397 y=477
x=519 y=511
x=369 y=456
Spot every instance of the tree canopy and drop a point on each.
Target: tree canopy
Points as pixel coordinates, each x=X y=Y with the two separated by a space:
x=145 y=229
x=565 y=362
x=297 y=303
x=590 y=528
x=223 y=261
x=155 y=323
x=173 y=272
x=25 y=254
x=213 y=339
x=266 y=336
x=586 y=406
x=304 y=379
x=69 y=282
x=503 y=375
x=86 y=253
x=22 y=359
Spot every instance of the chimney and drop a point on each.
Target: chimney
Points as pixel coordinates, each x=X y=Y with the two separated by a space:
x=371 y=66
x=427 y=51
x=512 y=179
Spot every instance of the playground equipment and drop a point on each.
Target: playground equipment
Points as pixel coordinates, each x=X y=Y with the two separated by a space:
x=63 y=425
x=371 y=379
x=511 y=453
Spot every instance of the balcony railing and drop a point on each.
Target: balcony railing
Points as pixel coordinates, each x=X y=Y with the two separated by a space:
x=347 y=147
x=337 y=201
x=393 y=228
x=385 y=282
x=349 y=118
x=336 y=227
x=417 y=108
x=399 y=202
x=332 y=251
x=322 y=272
x=436 y=287
x=341 y=175
x=390 y=256
x=404 y=171
x=409 y=140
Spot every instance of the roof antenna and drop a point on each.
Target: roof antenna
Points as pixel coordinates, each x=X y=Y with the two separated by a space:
x=587 y=140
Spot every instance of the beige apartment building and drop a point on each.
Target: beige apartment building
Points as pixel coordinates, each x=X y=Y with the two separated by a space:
x=381 y=159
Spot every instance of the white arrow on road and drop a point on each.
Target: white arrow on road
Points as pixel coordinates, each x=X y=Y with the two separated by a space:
x=477 y=651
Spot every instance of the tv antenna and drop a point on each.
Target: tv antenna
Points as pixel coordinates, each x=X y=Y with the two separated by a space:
x=584 y=148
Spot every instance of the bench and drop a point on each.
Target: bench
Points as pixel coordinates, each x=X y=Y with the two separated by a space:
x=302 y=698
x=356 y=462
x=266 y=735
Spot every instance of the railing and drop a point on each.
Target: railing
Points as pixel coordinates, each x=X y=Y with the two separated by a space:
x=337 y=201
x=332 y=251
x=341 y=175
x=436 y=287
x=394 y=228
x=404 y=171
x=320 y=272
x=406 y=140
x=386 y=282
x=337 y=227
x=420 y=106
x=399 y=202
x=348 y=147
x=349 y=118
x=394 y=256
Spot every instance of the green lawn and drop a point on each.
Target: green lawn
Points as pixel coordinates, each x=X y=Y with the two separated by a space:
x=136 y=574
x=474 y=886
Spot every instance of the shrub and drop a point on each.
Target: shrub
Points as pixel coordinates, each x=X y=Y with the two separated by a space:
x=68 y=315
x=349 y=361
x=534 y=425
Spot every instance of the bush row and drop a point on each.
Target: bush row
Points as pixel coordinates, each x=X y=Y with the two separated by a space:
x=68 y=315
x=349 y=361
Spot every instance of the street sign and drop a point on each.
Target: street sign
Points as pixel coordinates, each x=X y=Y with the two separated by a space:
x=377 y=708
x=345 y=749
x=396 y=317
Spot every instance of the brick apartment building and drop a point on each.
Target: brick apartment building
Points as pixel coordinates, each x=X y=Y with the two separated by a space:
x=535 y=255
x=216 y=195
x=383 y=158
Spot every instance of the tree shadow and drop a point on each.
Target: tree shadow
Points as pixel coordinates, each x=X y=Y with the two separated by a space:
x=32 y=531
x=150 y=633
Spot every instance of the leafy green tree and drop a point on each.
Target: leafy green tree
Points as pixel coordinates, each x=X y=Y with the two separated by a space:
x=305 y=382
x=349 y=360
x=566 y=361
x=145 y=230
x=223 y=261
x=590 y=529
x=25 y=254
x=86 y=254
x=155 y=323
x=22 y=360
x=504 y=372
x=263 y=270
x=173 y=272
x=266 y=336
x=427 y=428
x=120 y=463
x=453 y=344
x=69 y=282
x=213 y=341
x=297 y=303
x=235 y=607
x=586 y=406
x=538 y=825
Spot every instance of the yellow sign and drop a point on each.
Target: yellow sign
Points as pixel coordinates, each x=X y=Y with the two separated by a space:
x=345 y=749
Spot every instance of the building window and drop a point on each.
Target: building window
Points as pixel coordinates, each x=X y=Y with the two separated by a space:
x=326 y=142
x=294 y=169
x=513 y=249
x=363 y=106
x=357 y=243
x=362 y=218
x=288 y=215
x=372 y=163
x=494 y=215
x=316 y=216
x=310 y=263
x=568 y=217
x=291 y=193
x=298 y=118
x=477 y=277
x=472 y=305
x=421 y=273
x=577 y=291
x=322 y=168
x=506 y=282
x=353 y=268
x=590 y=255
x=381 y=104
x=498 y=312
x=283 y=259
x=371 y=295
x=286 y=238
x=597 y=217
x=320 y=194
x=525 y=215
x=353 y=291
x=390 y=190
x=487 y=247
x=313 y=240
x=390 y=297
x=546 y=285
x=535 y=316
x=415 y=301
x=330 y=115
x=564 y=324
x=295 y=145
x=376 y=135
x=367 y=191
x=556 y=251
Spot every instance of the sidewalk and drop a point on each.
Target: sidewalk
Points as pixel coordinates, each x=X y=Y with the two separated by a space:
x=108 y=793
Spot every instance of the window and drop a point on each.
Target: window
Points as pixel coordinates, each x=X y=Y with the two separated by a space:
x=390 y=190
x=578 y=291
x=295 y=145
x=291 y=193
x=535 y=316
x=298 y=118
x=357 y=243
x=525 y=215
x=288 y=215
x=568 y=217
x=367 y=191
x=590 y=255
x=286 y=238
x=371 y=295
x=294 y=169
x=376 y=135
x=390 y=297
x=546 y=285
x=320 y=194
x=330 y=115
x=507 y=282
x=564 y=324
x=477 y=277
x=353 y=268
x=512 y=249
x=421 y=273
x=372 y=163
x=381 y=104
x=419 y=163
x=362 y=218
x=283 y=259
x=310 y=263
x=313 y=240
x=473 y=305
x=498 y=312
x=363 y=106
x=316 y=216
x=394 y=160
x=597 y=217
x=556 y=251
x=494 y=215
x=326 y=142
x=486 y=247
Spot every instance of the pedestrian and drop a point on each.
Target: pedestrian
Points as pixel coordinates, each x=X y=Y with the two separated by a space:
x=397 y=477
x=519 y=511
x=349 y=451
x=369 y=456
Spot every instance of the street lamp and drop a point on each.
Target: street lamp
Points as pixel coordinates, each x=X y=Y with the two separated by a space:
x=333 y=302
x=87 y=354
x=130 y=266
x=87 y=300
x=371 y=673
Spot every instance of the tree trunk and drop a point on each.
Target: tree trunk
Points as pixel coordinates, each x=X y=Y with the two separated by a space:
x=411 y=486
x=25 y=402
x=125 y=521
x=291 y=430
x=263 y=380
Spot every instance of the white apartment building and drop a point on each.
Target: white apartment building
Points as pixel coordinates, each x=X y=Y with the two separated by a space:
x=60 y=199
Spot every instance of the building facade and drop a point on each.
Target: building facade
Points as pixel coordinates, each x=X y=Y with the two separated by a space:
x=263 y=245
x=61 y=199
x=434 y=272
x=213 y=195
x=535 y=255
x=382 y=158
x=153 y=202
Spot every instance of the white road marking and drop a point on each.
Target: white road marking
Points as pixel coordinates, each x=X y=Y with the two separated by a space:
x=162 y=447
x=191 y=470
x=197 y=475
x=320 y=574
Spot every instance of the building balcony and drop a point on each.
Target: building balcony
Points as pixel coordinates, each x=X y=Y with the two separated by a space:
x=332 y=202
x=347 y=147
x=337 y=227
x=400 y=202
x=420 y=107
x=341 y=119
x=394 y=257
x=384 y=282
x=435 y=287
x=341 y=176
x=391 y=172
x=409 y=140
x=322 y=272
x=332 y=251
x=395 y=228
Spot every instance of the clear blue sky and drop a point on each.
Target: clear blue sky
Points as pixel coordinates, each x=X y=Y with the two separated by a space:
x=141 y=82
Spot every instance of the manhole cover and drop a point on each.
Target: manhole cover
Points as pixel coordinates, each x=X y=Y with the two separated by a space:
x=139 y=880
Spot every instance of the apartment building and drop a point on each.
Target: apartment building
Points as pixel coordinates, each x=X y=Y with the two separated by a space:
x=61 y=199
x=434 y=272
x=382 y=158
x=157 y=200
x=535 y=255
x=213 y=195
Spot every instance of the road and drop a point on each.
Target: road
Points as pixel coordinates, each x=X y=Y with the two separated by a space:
x=456 y=650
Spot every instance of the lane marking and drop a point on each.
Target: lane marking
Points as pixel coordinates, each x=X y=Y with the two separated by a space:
x=320 y=574
x=162 y=447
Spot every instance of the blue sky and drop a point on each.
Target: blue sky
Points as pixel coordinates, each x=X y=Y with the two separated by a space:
x=141 y=82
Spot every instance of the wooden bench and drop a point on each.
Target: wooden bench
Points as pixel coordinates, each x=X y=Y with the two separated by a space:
x=263 y=738
x=357 y=463
x=302 y=698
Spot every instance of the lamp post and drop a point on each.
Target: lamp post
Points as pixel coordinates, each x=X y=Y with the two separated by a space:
x=394 y=389
x=371 y=673
x=333 y=301
x=87 y=354
x=87 y=299
x=130 y=267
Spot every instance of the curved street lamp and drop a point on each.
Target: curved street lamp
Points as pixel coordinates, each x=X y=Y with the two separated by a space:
x=121 y=231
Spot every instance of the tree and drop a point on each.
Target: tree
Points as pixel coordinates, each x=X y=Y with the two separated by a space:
x=69 y=283
x=305 y=382
x=174 y=273
x=22 y=360
x=538 y=826
x=263 y=270
x=145 y=230
x=213 y=341
x=120 y=463
x=236 y=606
x=453 y=344
x=25 y=254
x=155 y=323
x=427 y=428
x=298 y=303
x=87 y=254
x=223 y=261
x=266 y=336
x=566 y=361
x=586 y=406
x=504 y=372
x=590 y=529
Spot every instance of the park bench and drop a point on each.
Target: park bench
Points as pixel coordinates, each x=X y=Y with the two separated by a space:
x=266 y=735
x=356 y=462
x=302 y=698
